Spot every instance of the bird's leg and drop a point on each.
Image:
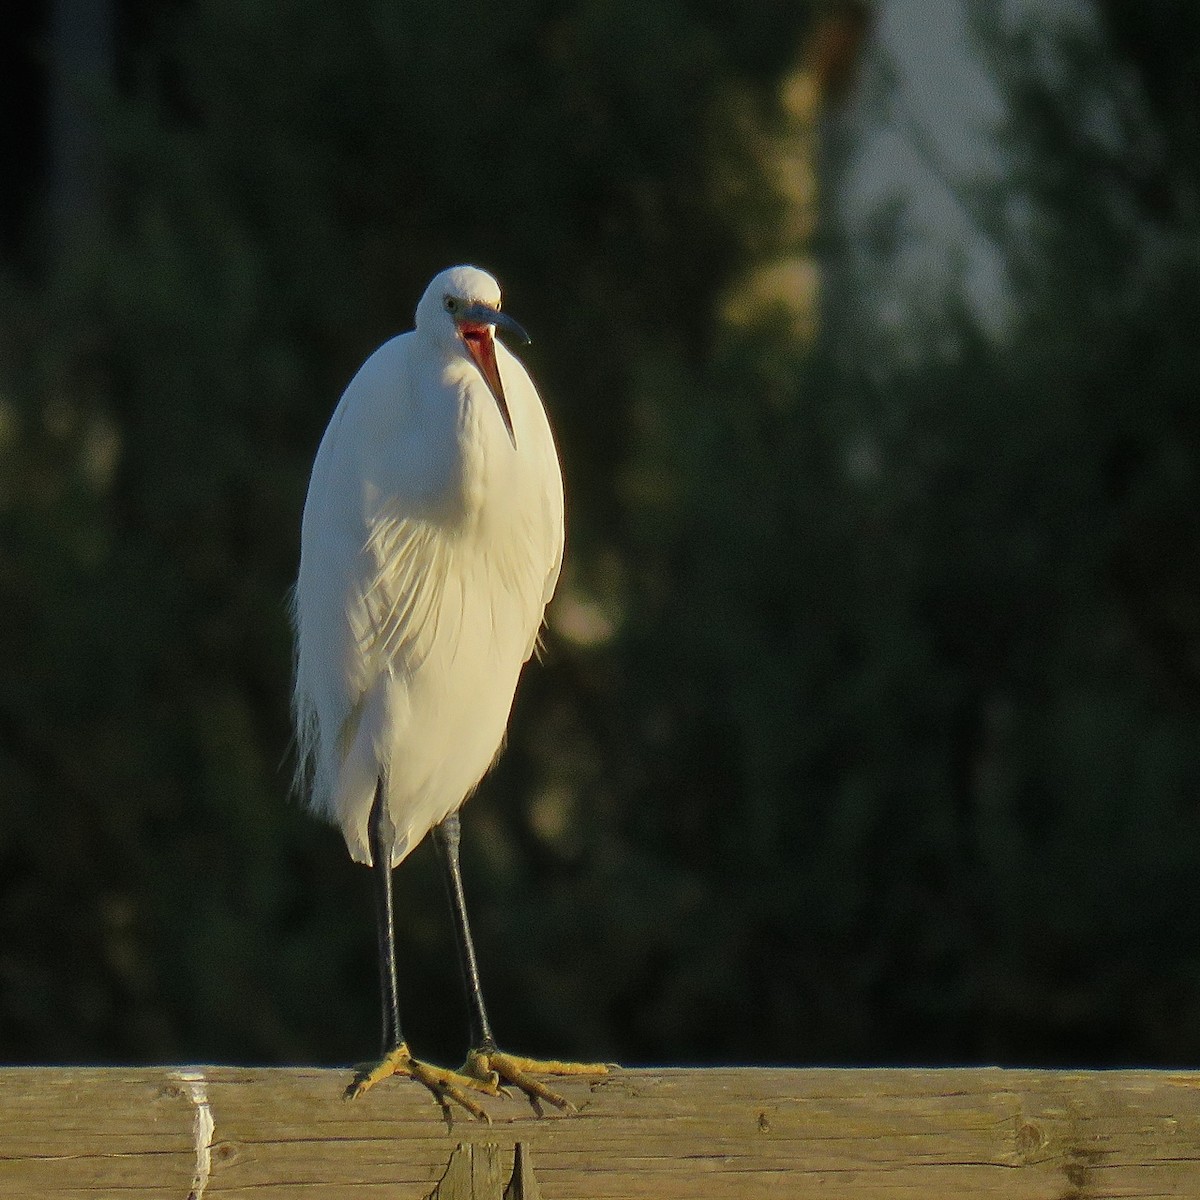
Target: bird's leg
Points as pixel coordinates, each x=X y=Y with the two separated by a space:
x=446 y=837
x=485 y=1061
x=381 y=834
x=397 y=1060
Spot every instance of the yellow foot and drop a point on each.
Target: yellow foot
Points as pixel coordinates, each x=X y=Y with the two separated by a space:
x=495 y=1067
x=444 y=1084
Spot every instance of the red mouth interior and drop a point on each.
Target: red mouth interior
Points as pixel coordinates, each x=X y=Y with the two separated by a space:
x=483 y=350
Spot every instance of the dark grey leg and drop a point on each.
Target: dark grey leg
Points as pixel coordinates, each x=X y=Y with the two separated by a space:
x=446 y=837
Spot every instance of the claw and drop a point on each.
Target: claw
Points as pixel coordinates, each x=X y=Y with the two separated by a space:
x=495 y=1065
x=445 y=1085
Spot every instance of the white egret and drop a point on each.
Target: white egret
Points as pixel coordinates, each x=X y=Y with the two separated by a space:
x=431 y=543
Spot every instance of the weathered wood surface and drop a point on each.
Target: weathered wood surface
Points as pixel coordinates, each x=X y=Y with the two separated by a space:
x=212 y=1132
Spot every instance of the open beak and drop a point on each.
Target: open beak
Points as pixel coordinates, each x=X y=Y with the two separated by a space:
x=475 y=326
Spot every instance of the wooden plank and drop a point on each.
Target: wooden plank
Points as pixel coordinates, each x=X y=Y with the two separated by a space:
x=214 y=1132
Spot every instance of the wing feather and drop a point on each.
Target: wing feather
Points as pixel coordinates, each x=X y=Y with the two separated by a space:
x=390 y=575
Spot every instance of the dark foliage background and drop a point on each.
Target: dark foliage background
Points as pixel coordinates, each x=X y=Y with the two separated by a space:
x=867 y=730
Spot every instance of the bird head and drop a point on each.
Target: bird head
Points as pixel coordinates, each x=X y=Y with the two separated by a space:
x=461 y=310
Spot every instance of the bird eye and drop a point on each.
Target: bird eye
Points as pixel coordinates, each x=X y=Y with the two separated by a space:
x=450 y=304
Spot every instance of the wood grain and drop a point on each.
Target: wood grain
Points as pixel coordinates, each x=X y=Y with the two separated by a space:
x=212 y=1132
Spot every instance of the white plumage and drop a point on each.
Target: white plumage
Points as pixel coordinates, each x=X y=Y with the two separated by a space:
x=431 y=544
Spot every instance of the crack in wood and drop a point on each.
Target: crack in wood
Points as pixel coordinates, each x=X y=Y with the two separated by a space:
x=203 y=1128
x=522 y=1185
x=473 y=1173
